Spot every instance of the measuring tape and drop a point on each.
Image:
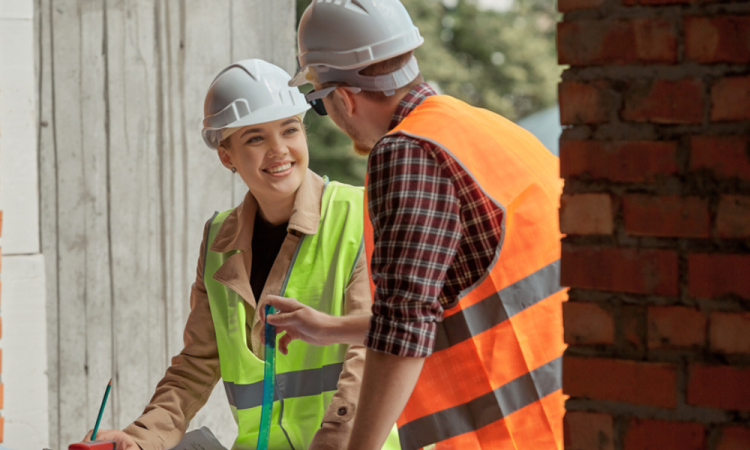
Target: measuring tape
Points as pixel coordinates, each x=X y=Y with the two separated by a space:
x=269 y=378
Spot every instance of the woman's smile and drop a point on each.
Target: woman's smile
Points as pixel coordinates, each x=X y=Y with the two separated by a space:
x=280 y=170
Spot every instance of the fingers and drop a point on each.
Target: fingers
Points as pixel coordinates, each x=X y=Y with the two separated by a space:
x=283 y=304
x=284 y=342
x=88 y=435
x=279 y=330
x=282 y=319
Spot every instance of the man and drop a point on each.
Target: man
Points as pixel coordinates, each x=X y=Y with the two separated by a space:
x=465 y=340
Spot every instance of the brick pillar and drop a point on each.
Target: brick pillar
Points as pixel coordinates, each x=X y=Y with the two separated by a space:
x=656 y=208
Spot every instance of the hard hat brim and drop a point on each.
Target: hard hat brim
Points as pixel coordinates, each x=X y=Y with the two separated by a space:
x=300 y=78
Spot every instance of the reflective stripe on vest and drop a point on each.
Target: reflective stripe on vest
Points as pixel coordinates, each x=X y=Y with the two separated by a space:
x=307 y=377
x=292 y=384
x=494 y=378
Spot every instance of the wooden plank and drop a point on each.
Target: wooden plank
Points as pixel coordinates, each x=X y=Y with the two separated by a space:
x=265 y=30
x=95 y=220
x=48 y=204
x=136 y=220
x=73 y=377
x=180 y=258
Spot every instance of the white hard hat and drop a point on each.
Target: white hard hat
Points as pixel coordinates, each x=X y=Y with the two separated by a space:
x=246 y=93
x=340 y=37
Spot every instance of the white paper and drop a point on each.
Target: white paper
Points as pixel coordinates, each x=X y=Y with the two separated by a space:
x=200 y=439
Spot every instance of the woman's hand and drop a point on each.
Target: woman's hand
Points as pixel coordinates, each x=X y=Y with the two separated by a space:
x=122 y=440
x=297 y=321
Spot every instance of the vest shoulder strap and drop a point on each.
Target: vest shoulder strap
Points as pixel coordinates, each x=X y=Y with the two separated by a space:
x=212 y=229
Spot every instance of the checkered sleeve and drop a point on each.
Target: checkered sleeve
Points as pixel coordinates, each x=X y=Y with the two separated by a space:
x=415 y=214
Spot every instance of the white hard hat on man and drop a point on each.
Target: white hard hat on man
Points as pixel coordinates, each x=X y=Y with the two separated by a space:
x=337 y=38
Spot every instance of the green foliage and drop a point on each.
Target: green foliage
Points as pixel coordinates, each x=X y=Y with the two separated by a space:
x=503 y=61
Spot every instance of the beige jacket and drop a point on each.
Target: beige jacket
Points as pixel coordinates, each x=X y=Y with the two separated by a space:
x=193 y=374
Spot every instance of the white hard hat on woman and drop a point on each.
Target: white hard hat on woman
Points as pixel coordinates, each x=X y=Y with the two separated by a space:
x=240 y=85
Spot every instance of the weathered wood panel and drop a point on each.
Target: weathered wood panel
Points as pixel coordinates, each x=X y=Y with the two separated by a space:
x=127 y=185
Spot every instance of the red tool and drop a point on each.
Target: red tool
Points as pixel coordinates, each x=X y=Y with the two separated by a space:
x=93 y=445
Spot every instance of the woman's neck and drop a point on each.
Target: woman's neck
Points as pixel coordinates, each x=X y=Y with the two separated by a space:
x=276 y=212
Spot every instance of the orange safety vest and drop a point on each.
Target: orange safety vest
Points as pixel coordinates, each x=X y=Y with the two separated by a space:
x=494 y=380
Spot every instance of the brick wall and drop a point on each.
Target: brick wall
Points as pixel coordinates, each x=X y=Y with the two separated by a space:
x=656 y=208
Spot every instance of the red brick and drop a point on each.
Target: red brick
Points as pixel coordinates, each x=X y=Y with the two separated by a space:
x=586 y=214
x=587 y=323
x=572 y=5
x=585 y=102
x=623 y=161
x=621 y=269
x=675 y=326
x=633 y=322
x=667 y=216
x=596 y=42
x=588 y=431
x=662 y=435
x=734 y=438
x=730 y=332
x=641 y=383
x=730 y=99
x=2 y=429
x=664 y=101
x=714 y=275
x=717 y=39
x=726 y=156
x=724 y=387
x=733 y=217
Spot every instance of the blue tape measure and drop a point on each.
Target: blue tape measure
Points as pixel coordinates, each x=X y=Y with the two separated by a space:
x=269 y=372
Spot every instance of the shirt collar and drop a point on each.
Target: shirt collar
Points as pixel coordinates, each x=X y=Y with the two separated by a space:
x=236 y=233
x=410 y=101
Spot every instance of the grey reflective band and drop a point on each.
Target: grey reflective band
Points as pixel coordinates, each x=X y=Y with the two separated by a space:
x=290 y=384
x=483 y=410
x=498 y=307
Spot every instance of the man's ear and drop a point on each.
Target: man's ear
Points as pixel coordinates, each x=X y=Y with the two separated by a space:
x=348 y=100
x=224 y=156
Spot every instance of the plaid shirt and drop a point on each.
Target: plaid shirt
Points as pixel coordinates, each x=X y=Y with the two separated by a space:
x=435 y=234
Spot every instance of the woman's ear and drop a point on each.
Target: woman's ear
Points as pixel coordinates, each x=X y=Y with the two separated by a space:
x=224 y=156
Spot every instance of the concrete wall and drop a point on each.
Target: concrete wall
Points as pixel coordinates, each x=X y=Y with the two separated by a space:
x=23 y=342
x=127 y=185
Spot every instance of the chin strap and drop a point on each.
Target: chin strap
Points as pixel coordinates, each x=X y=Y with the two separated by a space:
x=386 y=84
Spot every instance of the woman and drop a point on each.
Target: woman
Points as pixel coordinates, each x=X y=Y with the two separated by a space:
x=295 y=235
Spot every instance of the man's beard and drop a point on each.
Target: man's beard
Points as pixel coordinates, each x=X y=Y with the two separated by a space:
x=360 y=149
x=358 y=145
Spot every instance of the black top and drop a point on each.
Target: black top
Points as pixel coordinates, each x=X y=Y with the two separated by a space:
x=267 y=240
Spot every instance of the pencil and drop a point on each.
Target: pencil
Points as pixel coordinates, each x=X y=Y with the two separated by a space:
x=101 y=410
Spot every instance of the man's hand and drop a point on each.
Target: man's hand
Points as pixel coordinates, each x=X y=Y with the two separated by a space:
x=297 y=321
x=122 y=440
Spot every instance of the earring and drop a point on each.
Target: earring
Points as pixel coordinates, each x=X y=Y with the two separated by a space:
x=234 y=170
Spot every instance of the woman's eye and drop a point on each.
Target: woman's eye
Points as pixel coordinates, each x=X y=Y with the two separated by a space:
x=254 y=140
x=291 y=130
